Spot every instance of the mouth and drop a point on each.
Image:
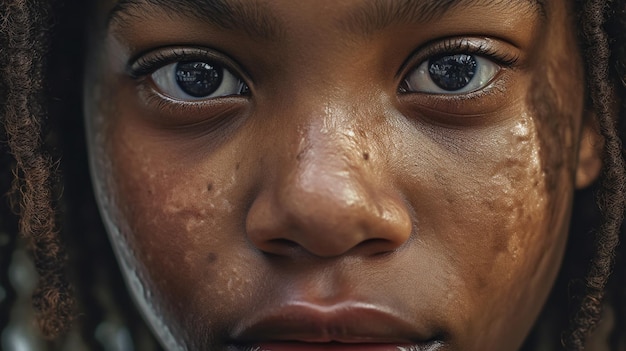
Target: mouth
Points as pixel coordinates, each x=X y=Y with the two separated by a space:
x=297 y=346
x=347 y=326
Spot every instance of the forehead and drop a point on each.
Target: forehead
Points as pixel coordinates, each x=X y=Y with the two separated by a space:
x=270 y=18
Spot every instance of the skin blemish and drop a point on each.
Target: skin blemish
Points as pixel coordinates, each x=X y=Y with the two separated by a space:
x=211 y=257
x=366 y=156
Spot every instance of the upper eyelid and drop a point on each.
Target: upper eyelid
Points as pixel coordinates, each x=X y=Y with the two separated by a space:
x=147 y=63
x=455 y=45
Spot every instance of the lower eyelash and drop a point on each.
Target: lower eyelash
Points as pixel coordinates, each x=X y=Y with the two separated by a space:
x=159 y=102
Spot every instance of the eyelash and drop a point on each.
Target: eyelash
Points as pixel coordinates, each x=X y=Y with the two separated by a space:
x=147 y=64
x=469 y=46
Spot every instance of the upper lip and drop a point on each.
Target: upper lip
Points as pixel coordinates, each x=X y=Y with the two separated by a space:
x=346 y=322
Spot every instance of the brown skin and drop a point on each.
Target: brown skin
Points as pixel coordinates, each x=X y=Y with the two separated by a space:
x=327 y=185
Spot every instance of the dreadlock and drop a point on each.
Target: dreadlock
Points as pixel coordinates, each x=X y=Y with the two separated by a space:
x=612 y=193
x=24 y=43
x=24 y=30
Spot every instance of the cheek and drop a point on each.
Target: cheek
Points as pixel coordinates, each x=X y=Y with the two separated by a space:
x=513 y=247
x=179 y=236
x=176 y=222
x=505 y=202
x=181 y=210
x=518 y=204
x=481 y=200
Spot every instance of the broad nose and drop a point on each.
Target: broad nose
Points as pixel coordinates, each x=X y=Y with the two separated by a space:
x=331 y=199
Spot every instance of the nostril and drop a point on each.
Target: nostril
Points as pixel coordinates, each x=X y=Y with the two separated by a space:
x=280 y=247
x=283 y=242
x=375 y=247
x=370 y=247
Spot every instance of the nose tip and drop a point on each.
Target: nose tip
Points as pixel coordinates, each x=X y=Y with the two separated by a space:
x=328 y=216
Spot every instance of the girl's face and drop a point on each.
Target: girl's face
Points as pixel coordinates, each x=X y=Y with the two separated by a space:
x=371 y=174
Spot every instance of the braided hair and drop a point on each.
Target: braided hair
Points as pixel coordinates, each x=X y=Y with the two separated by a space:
x=31 y=31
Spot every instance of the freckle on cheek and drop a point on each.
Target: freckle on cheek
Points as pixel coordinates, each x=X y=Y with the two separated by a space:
x=211 y=257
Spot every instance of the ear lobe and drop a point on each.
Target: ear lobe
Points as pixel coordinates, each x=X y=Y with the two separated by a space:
x=589 y=155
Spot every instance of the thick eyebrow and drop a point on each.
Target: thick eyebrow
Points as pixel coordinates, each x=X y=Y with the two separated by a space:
x=376 y=15
x=250 y=16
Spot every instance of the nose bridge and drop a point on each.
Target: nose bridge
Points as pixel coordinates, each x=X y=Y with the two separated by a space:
x=329 y=171
x=332 y=163
x=327 y=196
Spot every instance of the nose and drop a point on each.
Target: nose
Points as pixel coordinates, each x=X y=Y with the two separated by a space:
x=330 y=200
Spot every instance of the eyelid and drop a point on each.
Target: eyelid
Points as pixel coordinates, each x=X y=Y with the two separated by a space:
x=145 y=64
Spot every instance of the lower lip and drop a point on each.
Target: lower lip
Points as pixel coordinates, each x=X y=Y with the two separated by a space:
x=302 y=346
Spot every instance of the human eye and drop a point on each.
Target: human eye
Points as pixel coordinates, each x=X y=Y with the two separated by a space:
x=455 y=68
x=197 y=80
x=189 y=75
x=451 y=74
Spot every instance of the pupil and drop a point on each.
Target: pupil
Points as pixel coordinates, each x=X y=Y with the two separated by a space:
x=452 y=72
x=198 y=79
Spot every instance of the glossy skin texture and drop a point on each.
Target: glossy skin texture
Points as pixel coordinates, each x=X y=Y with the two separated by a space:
x=331 y=193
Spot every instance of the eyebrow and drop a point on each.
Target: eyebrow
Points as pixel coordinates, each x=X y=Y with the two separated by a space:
x=257 y=20
x=376 y=15
x=249 y=16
